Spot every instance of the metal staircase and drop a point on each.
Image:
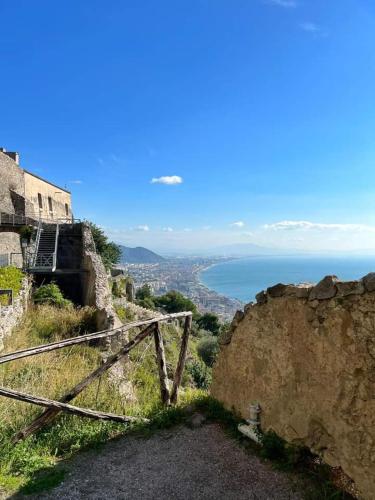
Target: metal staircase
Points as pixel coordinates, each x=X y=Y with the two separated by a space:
x=44 y=258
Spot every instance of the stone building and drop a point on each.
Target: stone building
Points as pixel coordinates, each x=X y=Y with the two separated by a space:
x=24 y=193
x=25 y=198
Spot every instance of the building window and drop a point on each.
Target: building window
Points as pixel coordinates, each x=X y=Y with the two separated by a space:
x=50 y=204
x=40 y=201
x=66 y=209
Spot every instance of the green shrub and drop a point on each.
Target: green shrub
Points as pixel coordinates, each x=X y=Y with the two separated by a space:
x=143 y=292
x=11 y=278
x=210 y=322
x=26 y=233
x=173 y=302
x=208 y=349
x=200 y=374
x=108 y=250
x=50 y=294
x=125 y=314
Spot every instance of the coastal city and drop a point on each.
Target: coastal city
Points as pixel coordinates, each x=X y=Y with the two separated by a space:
x=182 y=274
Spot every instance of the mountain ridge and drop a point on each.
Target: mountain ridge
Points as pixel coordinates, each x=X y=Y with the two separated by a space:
x=139 y=255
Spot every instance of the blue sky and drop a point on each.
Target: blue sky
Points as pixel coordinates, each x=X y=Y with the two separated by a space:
x=265 y=110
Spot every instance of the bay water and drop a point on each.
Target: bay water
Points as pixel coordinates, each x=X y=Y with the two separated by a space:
x=243 y=278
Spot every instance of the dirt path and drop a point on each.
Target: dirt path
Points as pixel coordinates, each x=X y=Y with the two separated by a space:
x=181 y=463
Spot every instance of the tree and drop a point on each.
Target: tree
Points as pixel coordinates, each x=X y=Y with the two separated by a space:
x=174 y=301
x=209 y=321
x=143 y=292
x=208 y=349
x=144 y=297
x=108 y=250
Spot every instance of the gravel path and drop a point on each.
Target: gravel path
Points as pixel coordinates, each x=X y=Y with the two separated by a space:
x=181 y=463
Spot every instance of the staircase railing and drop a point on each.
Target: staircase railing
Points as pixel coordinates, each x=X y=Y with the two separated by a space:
x=54 y=256
x=37 y=240
x=44 y=260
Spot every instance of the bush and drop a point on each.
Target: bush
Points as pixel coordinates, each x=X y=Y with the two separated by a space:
x=173 y=302
x=208 y=349
x=210 y=322
x=26 y=233
x=108 y=250
x=144 y=292
x=11 y=278
x=125 y=314
x=50 y=294
x=200 y=374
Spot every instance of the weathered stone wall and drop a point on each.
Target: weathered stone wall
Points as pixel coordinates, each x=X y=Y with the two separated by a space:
x=12 y=181
x=58 y=207
x=10 y=316
x=307 y=356
x=10 y=243
x=96 y=291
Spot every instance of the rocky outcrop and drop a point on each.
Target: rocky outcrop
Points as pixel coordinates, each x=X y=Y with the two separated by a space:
x=306 y=354
x=96 y=291
x=10 y=316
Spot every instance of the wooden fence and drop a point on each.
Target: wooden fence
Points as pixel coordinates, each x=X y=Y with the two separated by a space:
x=53 y=408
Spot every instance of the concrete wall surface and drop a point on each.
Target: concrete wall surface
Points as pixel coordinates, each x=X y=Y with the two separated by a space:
x=307 y=356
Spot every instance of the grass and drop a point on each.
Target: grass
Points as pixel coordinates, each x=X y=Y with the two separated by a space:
x=124 y=313
x=36 y=464
x=31 y=463
x=10 y=278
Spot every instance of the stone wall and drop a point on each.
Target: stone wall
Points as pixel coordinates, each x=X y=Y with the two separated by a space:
x=10 y=316
x=55 y=201
x=95 y=286
x=10 y=243
x=12 y=186
x=306 y=354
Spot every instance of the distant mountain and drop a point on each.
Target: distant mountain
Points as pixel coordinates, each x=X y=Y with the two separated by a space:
x=139 y=255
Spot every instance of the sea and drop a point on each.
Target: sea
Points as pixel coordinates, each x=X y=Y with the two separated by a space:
x=243 y=278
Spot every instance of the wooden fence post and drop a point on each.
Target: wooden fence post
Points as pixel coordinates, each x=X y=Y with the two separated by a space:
x=181 y=359
x=48 y=415
x=162 y=366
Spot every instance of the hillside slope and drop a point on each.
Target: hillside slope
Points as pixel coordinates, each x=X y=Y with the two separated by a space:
x=139 y=255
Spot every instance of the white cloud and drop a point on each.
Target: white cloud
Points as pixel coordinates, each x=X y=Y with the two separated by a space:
x=168 y=229
x=142 y=227
x=310 y=28
x=239 y=223
x=76 y=182
x=295 y=225
x=287 y=4
x=167 y=179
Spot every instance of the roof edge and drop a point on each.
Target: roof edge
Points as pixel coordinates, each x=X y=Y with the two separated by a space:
x=45 y=180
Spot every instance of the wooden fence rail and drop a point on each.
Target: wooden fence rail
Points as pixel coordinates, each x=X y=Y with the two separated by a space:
x=55 y=407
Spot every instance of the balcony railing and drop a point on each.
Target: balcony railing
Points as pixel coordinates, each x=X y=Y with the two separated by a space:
x=32 y=219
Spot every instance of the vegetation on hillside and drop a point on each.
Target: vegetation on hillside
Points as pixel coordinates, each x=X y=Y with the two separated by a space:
x=108 y=250
x=35 y=464
x=52 y=374
x=50 y=294
x=206 y=327
x=11 y=279
x=171 y=302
